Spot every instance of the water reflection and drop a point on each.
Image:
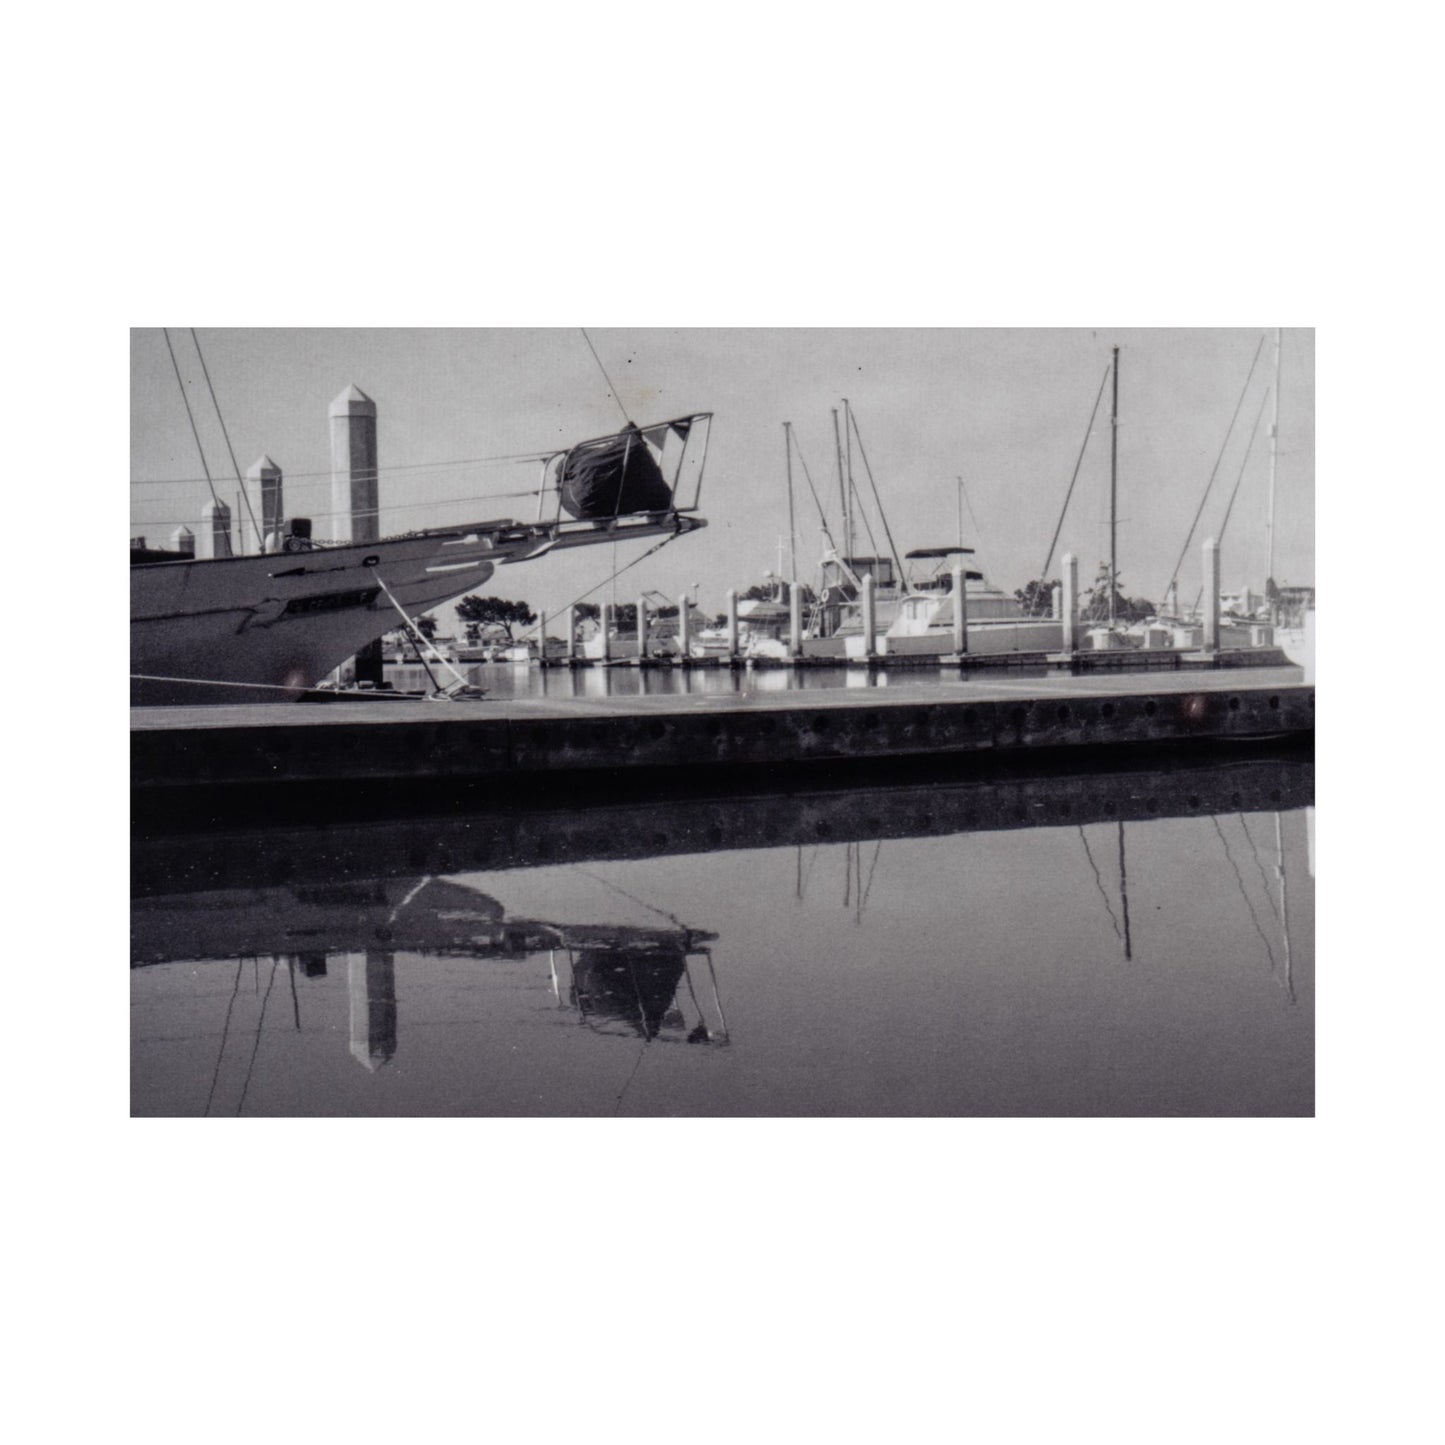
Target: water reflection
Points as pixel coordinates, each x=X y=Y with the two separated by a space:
x=625 y=980
x=1074 y=944
x=501 y=680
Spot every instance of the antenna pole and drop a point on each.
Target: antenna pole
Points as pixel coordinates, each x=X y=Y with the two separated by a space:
x=1114 y=493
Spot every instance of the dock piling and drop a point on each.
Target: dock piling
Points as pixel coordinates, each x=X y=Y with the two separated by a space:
x=870 y=617
x=642 y=629
x=960 y=607
x=1211 y=595
x=732 y=611
x=1069 y=606
x=795 y=620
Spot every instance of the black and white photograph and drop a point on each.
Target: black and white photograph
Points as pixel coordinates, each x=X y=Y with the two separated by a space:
x=716 y=826
x=597 y=722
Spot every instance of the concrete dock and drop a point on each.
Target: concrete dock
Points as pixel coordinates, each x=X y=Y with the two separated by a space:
x=251 y=749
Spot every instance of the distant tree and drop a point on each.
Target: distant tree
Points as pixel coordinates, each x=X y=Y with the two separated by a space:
x=1036 y=598
x=495 y=612
x=1126 y=609
x=624 y=617
x=589 y=611
x=777 y=592
x=427 y=626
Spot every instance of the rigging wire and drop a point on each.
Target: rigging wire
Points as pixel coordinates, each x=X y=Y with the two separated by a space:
x=236 y=466
x=582 y=597
x=165 y=331
x=1244 y=892
x=1088 y=432
x=633 y=898
x=612 y=390
x=1259 y=864
x=817 y=500
x=1259 y=415
x=1229 y=431
x=394 y=507
x=973 y=516
x=882 y=515
x=256 y=1046
x=1199 y=596
x=225 y=1035
x=1108 y=907
x=380 y=471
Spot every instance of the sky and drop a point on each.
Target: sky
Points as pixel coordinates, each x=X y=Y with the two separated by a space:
x=1005 y=410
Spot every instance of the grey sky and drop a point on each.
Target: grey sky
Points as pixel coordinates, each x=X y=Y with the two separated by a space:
x=1005 y=409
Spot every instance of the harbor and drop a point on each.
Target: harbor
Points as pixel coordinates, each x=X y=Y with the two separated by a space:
x=617 y=762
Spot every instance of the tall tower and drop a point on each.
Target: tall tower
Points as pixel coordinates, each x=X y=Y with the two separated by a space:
x=371 y=990
x=353 y=468
x=215 y=535
x=263 y=480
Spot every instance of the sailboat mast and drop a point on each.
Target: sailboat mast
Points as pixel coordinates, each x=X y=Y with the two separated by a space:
x=1114 y=493
x=842 y=491
x=848 y=462
x=1273 y=462
x=960 y=511
x=792 y=525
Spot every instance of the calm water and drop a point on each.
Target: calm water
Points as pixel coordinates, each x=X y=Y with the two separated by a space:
x=1128 y=944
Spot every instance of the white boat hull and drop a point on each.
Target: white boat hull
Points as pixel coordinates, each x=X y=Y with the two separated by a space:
x=266 y=628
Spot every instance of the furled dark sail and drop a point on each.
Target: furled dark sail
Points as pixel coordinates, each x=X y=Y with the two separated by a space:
x=614 y=476
x=635 y=987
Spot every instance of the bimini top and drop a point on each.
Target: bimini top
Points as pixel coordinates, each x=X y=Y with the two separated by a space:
x=937 y=551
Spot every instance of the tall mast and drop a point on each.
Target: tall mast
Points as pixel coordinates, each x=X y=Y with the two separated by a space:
x=848 y=455
x=960 y=511
x=1273 y=462
x=842 y=490
x=792 y=527
x=1114 y=493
